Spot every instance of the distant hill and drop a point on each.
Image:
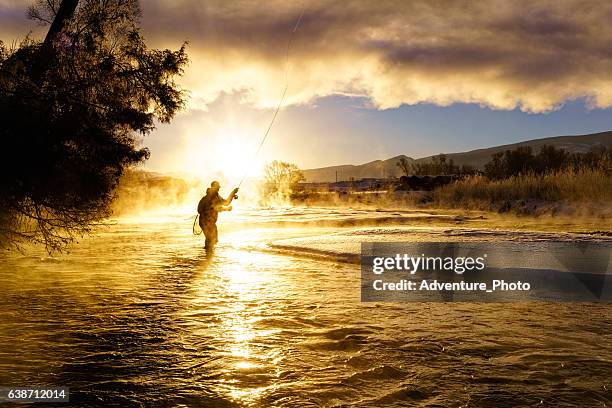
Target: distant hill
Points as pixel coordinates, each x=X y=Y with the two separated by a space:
x=374 y=169
x=476 y=158
x=573 y=144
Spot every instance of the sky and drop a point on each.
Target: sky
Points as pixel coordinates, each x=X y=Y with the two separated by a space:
x=370 y=80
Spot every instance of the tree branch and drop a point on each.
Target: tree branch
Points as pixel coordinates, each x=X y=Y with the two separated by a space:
x=64 y=13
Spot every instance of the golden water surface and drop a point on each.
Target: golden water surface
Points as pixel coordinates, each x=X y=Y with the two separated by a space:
x=139 y=315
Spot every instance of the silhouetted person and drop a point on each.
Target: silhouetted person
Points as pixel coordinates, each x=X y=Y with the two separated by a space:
x=209 y=207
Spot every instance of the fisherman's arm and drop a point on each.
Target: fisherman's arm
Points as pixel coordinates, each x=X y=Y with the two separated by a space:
x=222 y=204
x=232 y=195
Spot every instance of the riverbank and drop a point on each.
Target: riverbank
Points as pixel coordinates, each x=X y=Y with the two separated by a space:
x=585 y=193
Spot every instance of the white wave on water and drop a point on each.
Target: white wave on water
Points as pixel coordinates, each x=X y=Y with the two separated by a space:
x=345 y=246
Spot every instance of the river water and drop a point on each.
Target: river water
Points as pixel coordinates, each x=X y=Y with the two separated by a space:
x=139 y=315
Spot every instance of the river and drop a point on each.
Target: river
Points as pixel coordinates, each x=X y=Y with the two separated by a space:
x=139 y=315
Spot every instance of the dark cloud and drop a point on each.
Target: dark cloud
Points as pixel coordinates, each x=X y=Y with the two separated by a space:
x=502 y=54
x=540 y=22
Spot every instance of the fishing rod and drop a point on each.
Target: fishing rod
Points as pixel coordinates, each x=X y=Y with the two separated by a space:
x=267 y=133
x=282 y=98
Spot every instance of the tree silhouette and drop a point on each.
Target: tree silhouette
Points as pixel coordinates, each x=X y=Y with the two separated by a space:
x=72 y=108
x=437 y=166
x=404 y=166
x=548 y=159
x=281 y=178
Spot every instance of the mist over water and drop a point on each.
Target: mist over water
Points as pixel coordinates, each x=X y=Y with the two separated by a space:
x=140 y=315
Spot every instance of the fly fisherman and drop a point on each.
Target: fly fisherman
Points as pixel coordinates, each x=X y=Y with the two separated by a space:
x=209 y=207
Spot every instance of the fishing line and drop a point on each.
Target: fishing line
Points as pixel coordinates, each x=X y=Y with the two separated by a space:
x=282 y=99
x=198 y=231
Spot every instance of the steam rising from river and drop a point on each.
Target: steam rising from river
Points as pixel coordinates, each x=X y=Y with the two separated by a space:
x=142 y=194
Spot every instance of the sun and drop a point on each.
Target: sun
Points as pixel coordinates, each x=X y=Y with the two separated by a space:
x=227 y=150
x=235 y=156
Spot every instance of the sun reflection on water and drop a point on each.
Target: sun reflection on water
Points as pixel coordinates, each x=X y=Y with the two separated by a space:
x=248 y=365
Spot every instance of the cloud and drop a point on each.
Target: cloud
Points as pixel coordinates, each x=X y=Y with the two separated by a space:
x=14 y=24
x=500 y=54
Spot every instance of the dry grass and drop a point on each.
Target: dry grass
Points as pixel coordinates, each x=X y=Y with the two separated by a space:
x=583 y=188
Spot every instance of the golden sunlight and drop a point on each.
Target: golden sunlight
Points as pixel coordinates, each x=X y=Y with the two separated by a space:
x=235 y=203
x=227 y=151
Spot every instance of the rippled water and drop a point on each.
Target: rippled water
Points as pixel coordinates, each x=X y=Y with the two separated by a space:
x=139 y=315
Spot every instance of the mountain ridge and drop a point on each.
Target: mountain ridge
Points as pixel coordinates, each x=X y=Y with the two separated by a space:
x=477 y=157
